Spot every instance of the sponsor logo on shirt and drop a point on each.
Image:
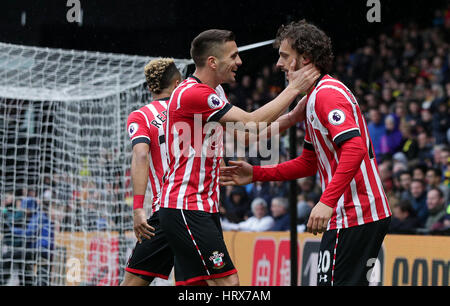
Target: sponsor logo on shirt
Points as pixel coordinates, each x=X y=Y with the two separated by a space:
x=214 y=101
x=336 y=117
x=132 y=128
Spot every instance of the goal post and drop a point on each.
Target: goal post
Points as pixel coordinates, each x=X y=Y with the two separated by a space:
x=65 y=185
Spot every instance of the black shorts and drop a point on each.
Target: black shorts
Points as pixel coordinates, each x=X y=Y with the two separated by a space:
x=345 y=253
x=196 y=239
x=153 y=257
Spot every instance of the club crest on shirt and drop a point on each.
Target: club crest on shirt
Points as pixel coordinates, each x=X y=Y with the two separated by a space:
x=336 y=117
x=214 y=101
x=132 y=129
x=216 y=258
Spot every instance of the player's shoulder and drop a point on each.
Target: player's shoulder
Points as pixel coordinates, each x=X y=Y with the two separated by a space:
x=330 y=90
x=139 y=114
x=198 y=92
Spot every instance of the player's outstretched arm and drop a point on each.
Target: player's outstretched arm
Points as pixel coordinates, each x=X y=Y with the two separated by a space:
x=300 y=81
x=238 y=173
x=277 y=127
x=242 y=173
x=139 y=176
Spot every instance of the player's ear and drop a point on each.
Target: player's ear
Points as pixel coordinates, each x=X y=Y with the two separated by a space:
x=305 y=59
x=212 y=62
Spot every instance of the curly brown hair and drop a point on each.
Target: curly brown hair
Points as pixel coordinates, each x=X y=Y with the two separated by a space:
x=159 y=73
x=309 y=40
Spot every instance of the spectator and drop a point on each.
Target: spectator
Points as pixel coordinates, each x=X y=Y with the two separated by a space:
x=260 y=221
x=38 y=237
x=279 y=189
x=405 y=184
x=309 y=188
x=236 y=205
x=376 y=129
x=418 y=172
x=424 y=145
x=304 y=206
x=404 y=220
x=29 y=199
x=440 y=124
x=11 y=217
x=260 y=190
x=436 y=209
x=433 y=178
x=409 y=145
x=280 y=214
x=385 y=169
x=413 y=115
x=392 y=139
x=417 y=197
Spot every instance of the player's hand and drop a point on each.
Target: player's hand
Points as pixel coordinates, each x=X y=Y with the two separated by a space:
x=318 y=219
x=141 y=227
x=303 y=78
x=298 y=114
x=239 y=173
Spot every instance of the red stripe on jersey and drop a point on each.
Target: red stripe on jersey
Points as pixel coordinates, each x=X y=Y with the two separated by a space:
x=148 y=124
x=333 y=116
x=192 y=181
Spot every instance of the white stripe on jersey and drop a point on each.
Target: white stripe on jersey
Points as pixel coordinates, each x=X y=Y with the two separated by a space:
x=188 y=85
x=186 y=177
x=356 y=202
x=155 y=179
x=162 y=149
x=171 y=179
x=145 y=116
x=379 y=184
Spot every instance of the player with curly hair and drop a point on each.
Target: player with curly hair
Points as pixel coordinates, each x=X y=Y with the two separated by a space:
x=152 y=256
x=353 y=211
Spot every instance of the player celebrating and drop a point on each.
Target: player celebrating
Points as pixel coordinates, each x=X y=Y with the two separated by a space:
x=353 y=210
x=151 y=257
x=189 y=201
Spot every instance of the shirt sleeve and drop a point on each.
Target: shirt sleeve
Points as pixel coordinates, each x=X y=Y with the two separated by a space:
x=302 y=166
x=353 y=152
x=137 y=129
x=205 y=101
x=336 y=114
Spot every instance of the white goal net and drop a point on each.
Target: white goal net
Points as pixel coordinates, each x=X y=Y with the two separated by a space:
x=65 y=186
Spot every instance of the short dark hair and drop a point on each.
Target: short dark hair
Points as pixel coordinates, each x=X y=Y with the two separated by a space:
x=206 y=44
x=405 y=205
x=436 y=171
x=421 y=182
x=309 y=40
x=439 y=191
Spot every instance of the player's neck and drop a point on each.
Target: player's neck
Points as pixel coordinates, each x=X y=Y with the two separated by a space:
x=206 y=78
x=162 y=95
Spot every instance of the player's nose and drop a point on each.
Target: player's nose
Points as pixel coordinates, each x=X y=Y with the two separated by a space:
x=279 y=64
x=238 y=61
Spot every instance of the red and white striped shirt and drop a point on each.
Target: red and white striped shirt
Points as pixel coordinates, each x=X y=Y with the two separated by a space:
x=333 y=125
x=332 y=117
x=194 y=142
x=147 y=125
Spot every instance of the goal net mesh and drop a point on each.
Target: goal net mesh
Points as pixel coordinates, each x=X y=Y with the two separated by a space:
x=65 y=185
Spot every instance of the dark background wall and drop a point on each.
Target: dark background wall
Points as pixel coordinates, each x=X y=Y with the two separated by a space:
x=166 y=27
